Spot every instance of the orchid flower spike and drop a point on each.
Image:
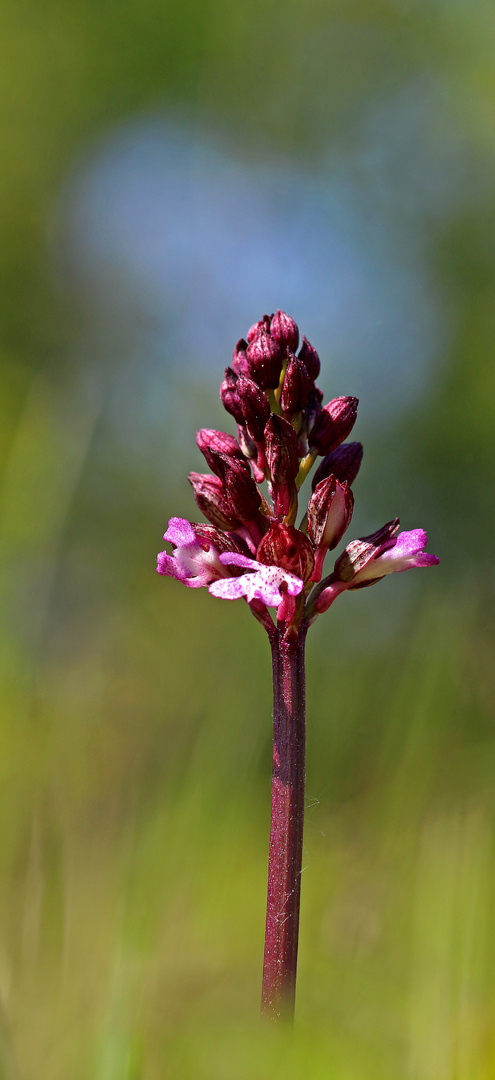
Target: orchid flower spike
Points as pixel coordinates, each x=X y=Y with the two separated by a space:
x=251 y=547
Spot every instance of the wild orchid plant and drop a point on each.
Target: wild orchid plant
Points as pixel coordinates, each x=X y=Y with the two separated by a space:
x=251 y=548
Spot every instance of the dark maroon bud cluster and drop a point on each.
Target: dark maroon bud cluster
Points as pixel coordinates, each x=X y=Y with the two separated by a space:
x=282 y=426
x=253 y=546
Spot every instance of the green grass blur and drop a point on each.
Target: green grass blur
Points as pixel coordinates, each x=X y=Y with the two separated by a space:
x=135 y=715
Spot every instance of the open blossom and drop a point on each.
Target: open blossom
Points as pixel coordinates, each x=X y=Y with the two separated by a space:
x=252 y=547
x=270 y=584
x=196 y=558
x=366 y=561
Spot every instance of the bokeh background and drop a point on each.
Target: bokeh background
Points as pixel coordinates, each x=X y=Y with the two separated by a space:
x=168 y=172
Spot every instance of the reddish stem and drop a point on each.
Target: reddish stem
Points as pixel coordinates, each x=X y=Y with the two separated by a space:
x=286 y=834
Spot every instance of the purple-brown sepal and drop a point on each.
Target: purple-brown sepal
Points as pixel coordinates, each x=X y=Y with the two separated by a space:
x=285 y=332
x=329 y=514
x=214 y=443
x=264 y=358
x=239 y=361
x=254 y=405
x=309 y=356
x=296 y=388
x=335 y=422
x=344 y=463
x=229 y=395
x=281 y=447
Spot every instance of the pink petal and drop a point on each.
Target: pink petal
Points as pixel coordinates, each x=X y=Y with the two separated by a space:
x=234 y=558
x=180 y=532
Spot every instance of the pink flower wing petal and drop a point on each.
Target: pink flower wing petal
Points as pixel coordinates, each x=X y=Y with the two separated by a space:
x=234 y=558
x=180 y=532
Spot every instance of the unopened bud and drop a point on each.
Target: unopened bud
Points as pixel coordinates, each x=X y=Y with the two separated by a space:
x=229 y=396
x=309 y=356
x=343 y=463
x=213 y=501
x=329 y=512
x=212 y=443
x=239 y=362
x=333 y=425
x=313 y=408
x=265 y=360
x=243 y=496
x=254 y=405
x=262 y=324
x=296 y=388
x=285 y=332
x=281 y=447
x=246 y=443
x=287 y=547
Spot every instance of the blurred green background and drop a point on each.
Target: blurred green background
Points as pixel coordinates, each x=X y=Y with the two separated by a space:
x=168 y=172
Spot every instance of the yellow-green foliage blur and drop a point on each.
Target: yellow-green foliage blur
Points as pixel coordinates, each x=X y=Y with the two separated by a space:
x=136 y=714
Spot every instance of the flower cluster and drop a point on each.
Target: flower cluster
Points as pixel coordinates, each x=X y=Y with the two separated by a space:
x=251 y=547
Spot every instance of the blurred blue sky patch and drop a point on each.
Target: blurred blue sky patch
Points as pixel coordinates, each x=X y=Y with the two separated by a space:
x=174 y=237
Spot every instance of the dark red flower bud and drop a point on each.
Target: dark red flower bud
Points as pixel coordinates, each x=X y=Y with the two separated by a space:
x=287 y=547
x=296 y=388
x=281 y=448
x=212 y=443
x=262 y=324
x=343 y=463
x=213 y=501
x=333 y=425
x=329 y=512
x=310 y=359
x=229 y=396
x=285 y=332
x=239 y=362
x=254 y=405
x=265 y=360
x=313 y=408
x=246 y=443
x=243 y=496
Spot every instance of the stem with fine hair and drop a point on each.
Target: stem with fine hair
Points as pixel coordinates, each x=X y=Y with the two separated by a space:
x=286 y=834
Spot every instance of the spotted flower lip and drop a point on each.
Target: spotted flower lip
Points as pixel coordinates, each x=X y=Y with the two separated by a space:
x=190 y=563
x=266 y=583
